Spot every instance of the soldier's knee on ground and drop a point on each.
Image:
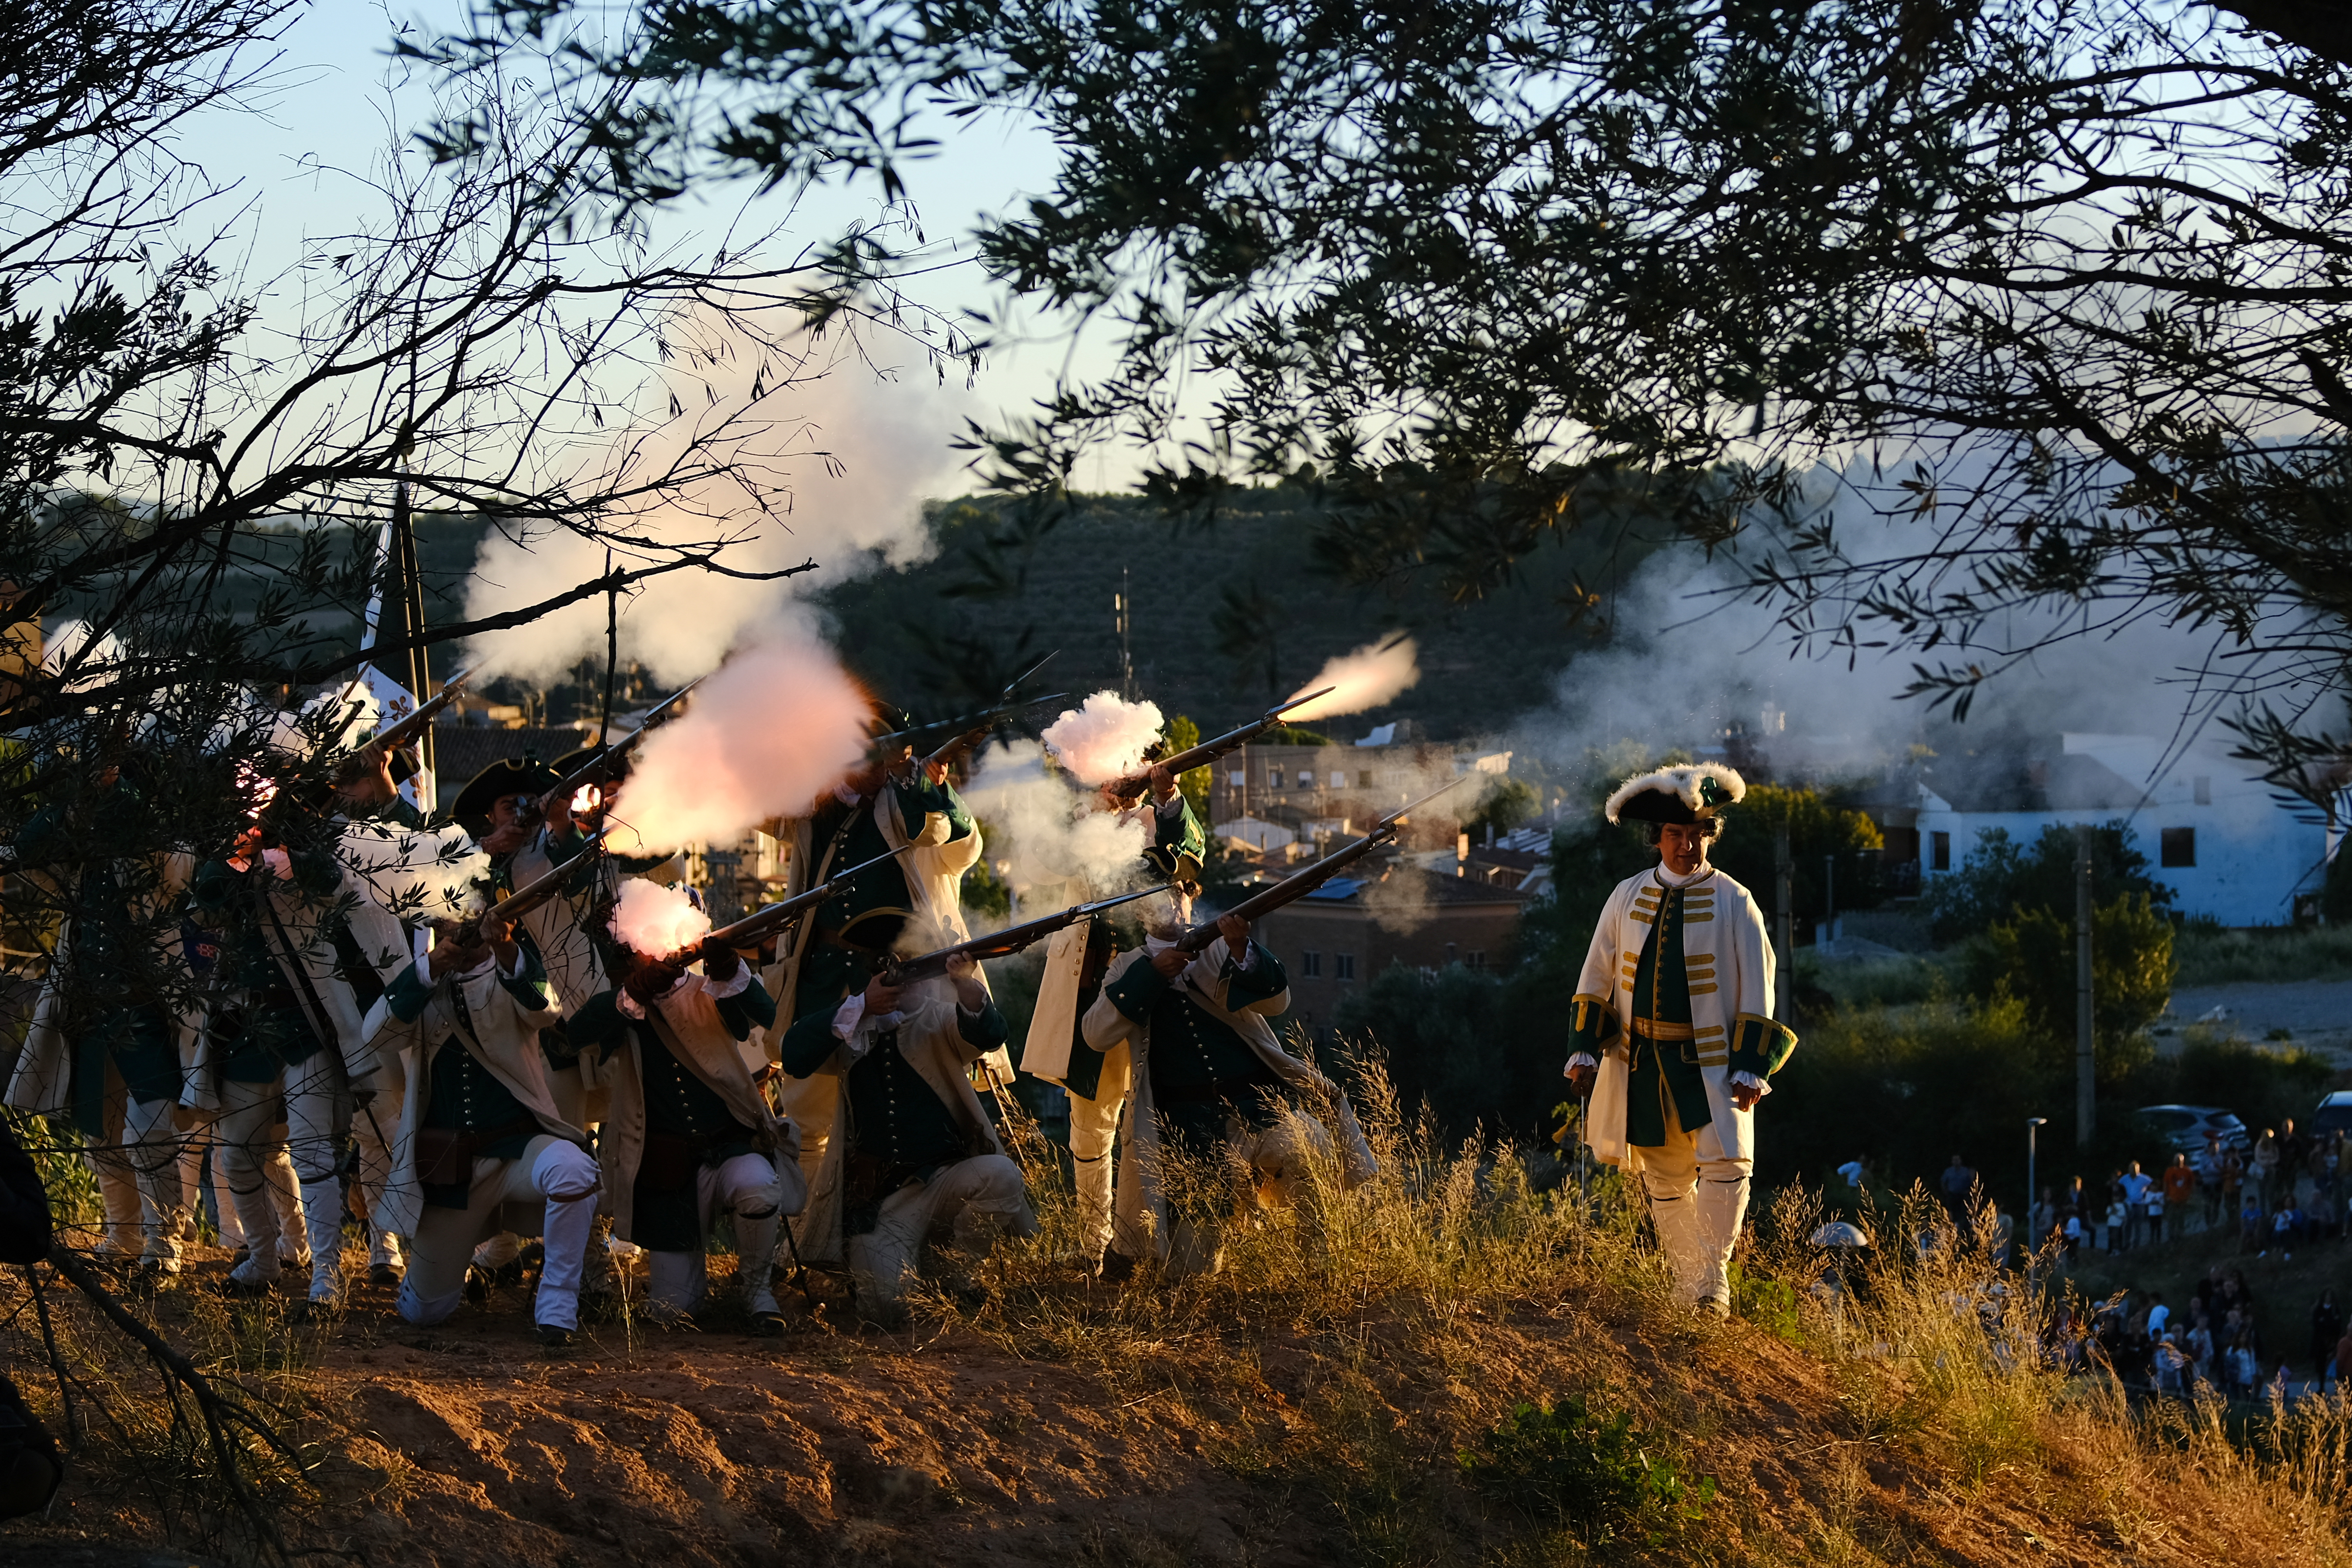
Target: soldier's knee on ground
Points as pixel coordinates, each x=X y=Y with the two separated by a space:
x=563 y=1171
x=418 y=1310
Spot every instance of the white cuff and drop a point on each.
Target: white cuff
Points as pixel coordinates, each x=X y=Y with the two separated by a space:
x=1750 y=1078
x=1172 y=806
x=846 y=1017
x=516 y=973
x=1580 y=1059
x=425 y=969
x=723 y=989
x=1249 y=959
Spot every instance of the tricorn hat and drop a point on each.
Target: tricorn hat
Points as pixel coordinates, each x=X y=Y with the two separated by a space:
x=1695 y=792
x=507 y=776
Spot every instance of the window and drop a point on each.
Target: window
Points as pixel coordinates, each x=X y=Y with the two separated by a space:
x=1940 y=846
x=1274 y=778
x=1236 y=778
x=1477 y=958
x=2204 y=785
x=1363 y=778
x=1310 y=964
x=1305 y=778
x=1343 y=965
x=2177 y=847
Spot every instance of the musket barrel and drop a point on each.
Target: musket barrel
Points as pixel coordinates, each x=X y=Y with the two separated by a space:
x=397 y=734
x=755 y=926
x=1011 y=940
x=1216 y=750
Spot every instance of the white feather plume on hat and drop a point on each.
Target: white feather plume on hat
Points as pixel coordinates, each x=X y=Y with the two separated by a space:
x=1687 y=786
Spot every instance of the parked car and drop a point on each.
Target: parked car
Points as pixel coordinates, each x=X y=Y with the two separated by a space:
x=2334 y=1112
x=2186 y=1127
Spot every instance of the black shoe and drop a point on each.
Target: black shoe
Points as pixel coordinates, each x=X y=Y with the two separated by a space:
x=384 y=1274
x=551 y=1338
x=478 y=1286
x=508 y=1276
x=231 y=1285
x=1116 y=1268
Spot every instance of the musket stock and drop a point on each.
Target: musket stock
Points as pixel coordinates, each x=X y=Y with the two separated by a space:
x=541 y=888
x=1005 y=942
x=393 y=737
x=1298 y=884
x=1209 y=751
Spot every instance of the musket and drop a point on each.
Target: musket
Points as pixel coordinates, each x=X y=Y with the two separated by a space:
x=986 y=718
x=1005 y=942
x=539 y=890
x=1298 y=884
x=401 y=731
x=1208 y=752
x=608 y=758
x=756 y=926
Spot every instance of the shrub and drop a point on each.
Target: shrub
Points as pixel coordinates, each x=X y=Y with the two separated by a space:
x=1595 y=1474
x=2032 y=953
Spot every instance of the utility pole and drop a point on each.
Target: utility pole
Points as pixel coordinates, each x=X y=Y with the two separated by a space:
x=1784 y=921
x=1118 y=605
x=2086 y=1073
x=1829 y=911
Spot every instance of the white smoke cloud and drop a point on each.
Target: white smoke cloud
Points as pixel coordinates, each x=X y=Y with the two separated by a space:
x=1050 y=833
x=840 y=462
x=656 y=921
x=1105 y=738
x=772 y=729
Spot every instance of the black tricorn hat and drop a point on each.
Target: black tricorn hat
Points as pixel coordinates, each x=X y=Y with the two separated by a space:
x=1695 y=792
x=507 y=776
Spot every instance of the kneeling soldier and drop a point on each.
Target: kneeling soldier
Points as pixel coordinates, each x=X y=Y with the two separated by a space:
x=480 y=1137
x=909 y=1149
x=689 y=1129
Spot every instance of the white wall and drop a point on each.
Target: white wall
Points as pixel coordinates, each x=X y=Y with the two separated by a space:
x=2253 y=856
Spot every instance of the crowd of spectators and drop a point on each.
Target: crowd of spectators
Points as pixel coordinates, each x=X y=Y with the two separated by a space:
x=2287 y=1193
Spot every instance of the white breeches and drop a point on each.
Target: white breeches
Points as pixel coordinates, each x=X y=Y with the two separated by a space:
x=1698 y=1201
x=318 y=1112
x=980 y=1197
x=751 y=1190
x=1274 y=1164
x=552 y=1170
x=1094 y=1127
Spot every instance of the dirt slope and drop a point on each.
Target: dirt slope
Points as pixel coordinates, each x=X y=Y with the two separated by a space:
x=467 y=1446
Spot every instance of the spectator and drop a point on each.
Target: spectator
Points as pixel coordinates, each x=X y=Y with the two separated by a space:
x=2118 y=1221
x=2179 y=1185
x=2327 y=1328
x=2135 y=1185
x=2208 y=1167
x=2200 y=1349
x=2266 y=1165
x=2159 y=1316
x=2245 y=1369
x=2284 y=1225
x=2342 y=1366
x=2323 y=1217
x=2295 y=1150
x=2154 y=1208
x=2073 y=1231
x=2233 y=1181
x=2041 y=1222
x=2249 y=1221
x=2171 y=1365
x=1958 y=1180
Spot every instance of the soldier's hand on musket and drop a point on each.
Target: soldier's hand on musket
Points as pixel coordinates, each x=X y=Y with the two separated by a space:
x=970 y=994
x=720 y=962
x=555 y=810
x=455 y=949
x=1170 y=962
x=935 y=772
x=880 y=998
x=499 y=936
x=1236 y=932
x=367 y=778
x=1163 y=783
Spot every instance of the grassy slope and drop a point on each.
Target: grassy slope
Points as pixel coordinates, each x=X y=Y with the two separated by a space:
x=1305 y=1407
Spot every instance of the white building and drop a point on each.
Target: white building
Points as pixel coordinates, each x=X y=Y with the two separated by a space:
x=2216 y=836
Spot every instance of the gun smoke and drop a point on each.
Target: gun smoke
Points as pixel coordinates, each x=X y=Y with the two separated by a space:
x=806 y=454
x=656 y=921
x=1373 y=674
x=772 y=729
x=1105 y=738
x=1050 y=833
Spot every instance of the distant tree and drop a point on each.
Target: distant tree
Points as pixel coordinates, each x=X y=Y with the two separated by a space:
x=2033 y=955
x=1819 y=831
x=1503 y=807
x=1998 y=876
x=1182 y=734
x=1248 y=622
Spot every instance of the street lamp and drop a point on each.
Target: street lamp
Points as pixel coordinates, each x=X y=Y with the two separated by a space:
x=2032 y=1192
